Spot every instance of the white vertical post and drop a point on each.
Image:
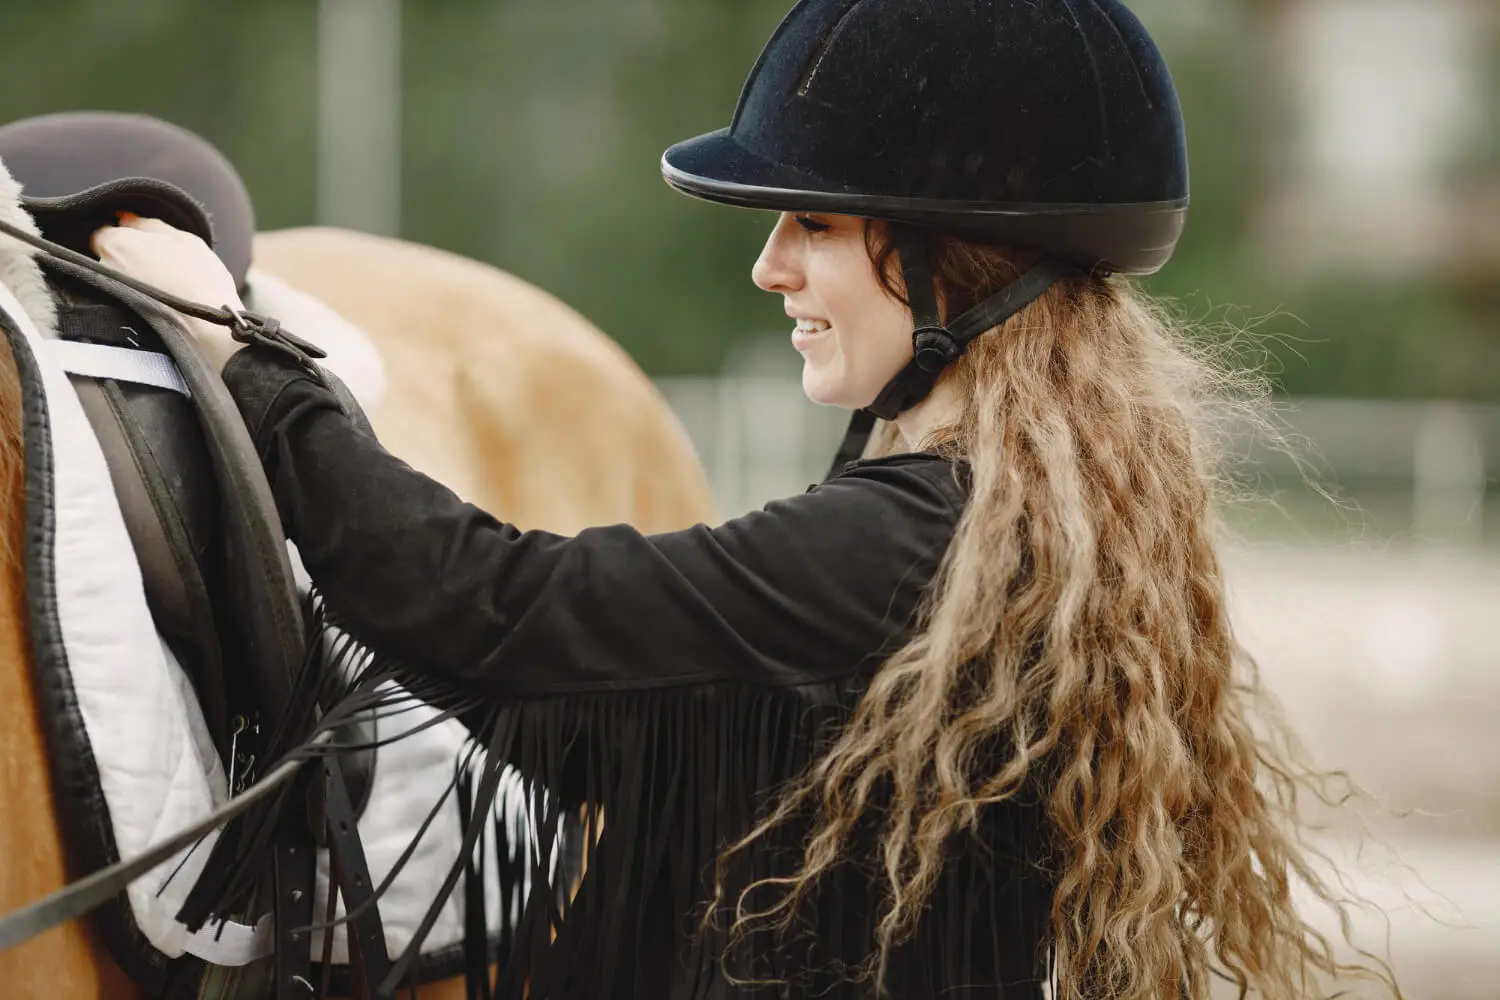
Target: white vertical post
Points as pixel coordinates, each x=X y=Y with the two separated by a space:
x=359 y=115
x=729 y=447
x=1448 y=477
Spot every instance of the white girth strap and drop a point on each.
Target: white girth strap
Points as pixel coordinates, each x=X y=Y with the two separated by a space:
x=120 y=363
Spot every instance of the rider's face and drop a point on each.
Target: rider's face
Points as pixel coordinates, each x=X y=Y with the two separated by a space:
x=852 y=334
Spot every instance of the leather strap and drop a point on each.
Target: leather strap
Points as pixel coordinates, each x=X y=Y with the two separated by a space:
x=269 y=612
x=122 y=364
x=369 y=962
x=97 y=888
x=476 y=946
x=294 y=871
x=244 y=326
x=935 y=346
x=916 y=274
x=174 y=585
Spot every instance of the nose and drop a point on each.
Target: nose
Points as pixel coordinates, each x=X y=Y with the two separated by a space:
x=778 y=268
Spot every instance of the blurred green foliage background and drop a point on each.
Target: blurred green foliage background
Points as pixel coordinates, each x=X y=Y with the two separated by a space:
x=531 y=134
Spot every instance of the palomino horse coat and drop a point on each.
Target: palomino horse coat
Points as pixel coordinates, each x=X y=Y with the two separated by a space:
x=476 y=378
x=487 y=376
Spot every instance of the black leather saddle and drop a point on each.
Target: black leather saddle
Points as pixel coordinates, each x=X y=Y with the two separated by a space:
x=213 y=557
x=166 y=481
x=57 y=155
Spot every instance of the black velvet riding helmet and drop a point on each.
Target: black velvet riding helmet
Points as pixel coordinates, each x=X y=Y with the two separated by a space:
x=79 y=167
x=1047 y=124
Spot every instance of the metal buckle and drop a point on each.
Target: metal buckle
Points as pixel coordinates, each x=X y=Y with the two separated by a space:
x=252 y=328
x=241 y=766
x=934 y=348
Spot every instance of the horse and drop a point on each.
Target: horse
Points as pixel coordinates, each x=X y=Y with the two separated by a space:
x=479 y=379
x=488 y=374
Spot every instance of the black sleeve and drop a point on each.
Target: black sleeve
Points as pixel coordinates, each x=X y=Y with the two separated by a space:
x=808 y=589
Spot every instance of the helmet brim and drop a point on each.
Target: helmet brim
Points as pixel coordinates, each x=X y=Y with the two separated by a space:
x=1135 y=238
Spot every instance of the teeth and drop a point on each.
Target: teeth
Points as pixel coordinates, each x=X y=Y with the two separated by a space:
x=811 y=325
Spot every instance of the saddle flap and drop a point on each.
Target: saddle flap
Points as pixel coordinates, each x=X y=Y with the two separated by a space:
x=170 y=509
x=262 y=610
x=214 y=560
x=164 y=476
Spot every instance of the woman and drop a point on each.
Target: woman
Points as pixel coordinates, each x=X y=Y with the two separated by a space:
x=964 y=718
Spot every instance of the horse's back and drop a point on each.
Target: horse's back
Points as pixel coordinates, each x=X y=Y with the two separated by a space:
x=497 y=388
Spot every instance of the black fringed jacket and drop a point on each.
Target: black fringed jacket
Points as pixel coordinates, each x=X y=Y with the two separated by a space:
x=674 y=679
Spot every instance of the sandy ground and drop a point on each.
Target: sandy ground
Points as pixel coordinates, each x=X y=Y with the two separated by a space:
x=1388 y=663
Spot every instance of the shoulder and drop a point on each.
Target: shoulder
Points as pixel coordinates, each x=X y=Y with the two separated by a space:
x=893 y=510
x=919 y=478
x=873 y=511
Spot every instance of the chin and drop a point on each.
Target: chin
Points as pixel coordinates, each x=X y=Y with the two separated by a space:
x=833 y=389
x=813 y=386
x=822 y=390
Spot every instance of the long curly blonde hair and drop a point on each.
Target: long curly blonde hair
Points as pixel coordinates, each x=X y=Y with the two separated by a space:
x=1084 y=581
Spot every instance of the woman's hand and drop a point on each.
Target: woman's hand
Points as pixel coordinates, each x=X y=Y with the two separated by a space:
x=179 y=263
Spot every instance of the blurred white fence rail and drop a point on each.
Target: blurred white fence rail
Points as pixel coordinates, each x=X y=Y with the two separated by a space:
x=1421 y=470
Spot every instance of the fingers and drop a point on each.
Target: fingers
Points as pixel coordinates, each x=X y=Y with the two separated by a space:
x=148 y=225
x=103 y=241
x=111 y=240
x=141 y=224
x=166 y=258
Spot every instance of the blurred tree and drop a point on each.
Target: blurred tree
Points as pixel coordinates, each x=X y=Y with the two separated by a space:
x=534 y=139
x=239 y=74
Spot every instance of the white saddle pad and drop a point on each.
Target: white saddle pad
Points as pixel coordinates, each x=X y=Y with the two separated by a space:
x=157 y=767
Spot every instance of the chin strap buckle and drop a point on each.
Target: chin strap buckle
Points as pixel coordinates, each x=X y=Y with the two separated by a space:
x=934 y=348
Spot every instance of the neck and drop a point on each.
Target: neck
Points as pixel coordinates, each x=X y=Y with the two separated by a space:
x=939 y=407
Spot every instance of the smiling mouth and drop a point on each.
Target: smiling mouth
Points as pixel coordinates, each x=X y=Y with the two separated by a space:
x=808 y=330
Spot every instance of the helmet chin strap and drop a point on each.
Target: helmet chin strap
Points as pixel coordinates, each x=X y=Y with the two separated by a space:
x=935 y=346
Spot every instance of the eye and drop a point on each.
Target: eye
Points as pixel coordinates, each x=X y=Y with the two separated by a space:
x=810 y=224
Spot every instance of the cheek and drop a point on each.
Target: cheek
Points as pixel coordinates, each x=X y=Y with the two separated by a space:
x=865 y=355
x=885 y=345
x=872 y=329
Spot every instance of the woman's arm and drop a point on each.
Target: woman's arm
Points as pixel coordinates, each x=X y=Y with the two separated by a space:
x=808 y=589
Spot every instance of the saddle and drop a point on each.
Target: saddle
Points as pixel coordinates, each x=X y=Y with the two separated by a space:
x=216 y=573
